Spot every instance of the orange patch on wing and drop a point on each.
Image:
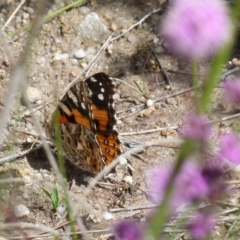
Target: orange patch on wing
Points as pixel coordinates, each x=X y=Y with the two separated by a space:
x=80 y=119
x=113 y=145
x=101 y=116
x=63 y=119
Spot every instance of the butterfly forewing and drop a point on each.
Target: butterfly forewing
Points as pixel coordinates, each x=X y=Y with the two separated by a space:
x=88 y=123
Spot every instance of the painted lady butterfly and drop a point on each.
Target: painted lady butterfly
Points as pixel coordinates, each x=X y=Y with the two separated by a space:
x=88 y=123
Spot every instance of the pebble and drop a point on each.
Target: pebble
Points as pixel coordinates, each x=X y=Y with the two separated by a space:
x=84 y=10
x=33 y=94
x=29 y=10
x=61 y=208
x=25 y=15
x=122 y=160
x=20 y=210
x=91 y=29
x=155 y=40
x=235 y=62
x=113 y=27
x=149 y=102
x=132 y=38
x=61 y=56
x=41 y=60
x=128 y=179
x=80 y=53
x=29 y=139
x=87 y=179
x=25 y=195
x=89 y=57
x=84 y=65
x=171 y=101
x=74 y=62
x=108 y=216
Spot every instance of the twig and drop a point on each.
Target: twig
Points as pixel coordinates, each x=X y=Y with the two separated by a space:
x=113 y=210
x=49 y=236
x=128 y=85
x=147 y=131
x=136 y=24
x=140 y=106
x=104 y=46
x=13 y=14
x=18 y=155
x=164 y=73
x=48 y=17
x=109 y=167
x=27 y=225
x=226 y=118
x=228 y=72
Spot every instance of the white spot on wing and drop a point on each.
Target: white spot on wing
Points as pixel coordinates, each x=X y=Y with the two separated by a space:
x=102 y=90
x=100 y=84
x=83 y=105
x=93 y=79
x=100 y=96
x=72 y=96
x=90 y=92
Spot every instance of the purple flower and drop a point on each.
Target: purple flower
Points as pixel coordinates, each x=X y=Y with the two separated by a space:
x=157 y=181
x=128 y=230
x=213 y=175
x=196 y=127
x=200 y=225
x=232 y=90
x=190 y=185
x=230 y=148
x=196 y=29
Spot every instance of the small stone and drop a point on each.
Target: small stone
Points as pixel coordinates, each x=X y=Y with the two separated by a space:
x=84 y=65
x=74 y=62
x=159 y=50
x=155 y=40
x=61 y=208
x=80 y=54
x=171 y=101
x=25 y=15
x=29 y=10
x=61 y=56
x=235 y=62
x=25 y=195
x=33 y=94
x=29 y=140
x=167 y=87
x=20 y=210
x=91 y=29
x=122 y=160
x=89 y=57
x=84 y=10
x=41 y=59
x=116 y=96
x=87 y=179
x=128 y=179
x=107 y=215
x=149 y=102
x=73 y=74
x=110 y=50
x=132 y=38
x=113 y=27
x=106 y=16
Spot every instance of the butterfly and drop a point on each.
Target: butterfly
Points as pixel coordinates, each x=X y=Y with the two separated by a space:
x=87 y=119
